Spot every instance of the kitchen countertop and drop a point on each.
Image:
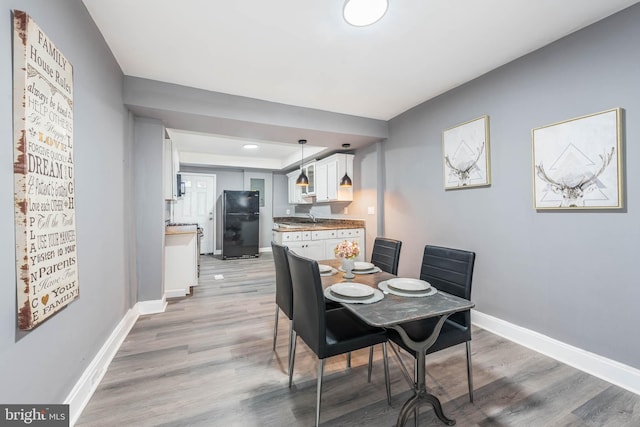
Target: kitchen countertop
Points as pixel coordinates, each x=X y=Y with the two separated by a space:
x=181 y=229
x=289 y=224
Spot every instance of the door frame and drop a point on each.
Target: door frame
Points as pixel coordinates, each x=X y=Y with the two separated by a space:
x=215 y=212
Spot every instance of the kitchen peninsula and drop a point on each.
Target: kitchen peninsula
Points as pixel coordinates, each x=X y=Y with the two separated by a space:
x=316 y=238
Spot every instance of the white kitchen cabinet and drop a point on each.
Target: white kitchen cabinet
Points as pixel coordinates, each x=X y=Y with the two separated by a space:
x=301 y=242
x=329 y=172
x=180 y=260
x=310 y=171
x=171 y=168
x=296 y=197
x=308 y=248
x=319 y=244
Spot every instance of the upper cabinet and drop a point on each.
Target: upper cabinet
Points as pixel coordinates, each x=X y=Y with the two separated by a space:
x=328 y=173
x=295 y=191
x=310 y=172
x=171 y=168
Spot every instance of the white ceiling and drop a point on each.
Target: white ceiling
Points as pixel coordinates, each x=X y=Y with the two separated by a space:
x=302 y=53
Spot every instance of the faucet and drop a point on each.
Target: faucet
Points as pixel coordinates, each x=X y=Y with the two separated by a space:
x=313 y=218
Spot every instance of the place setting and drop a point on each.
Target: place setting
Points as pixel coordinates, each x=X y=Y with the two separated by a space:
x=407 y=287
x=353 y=293
x=326 y=270
x=361 y=267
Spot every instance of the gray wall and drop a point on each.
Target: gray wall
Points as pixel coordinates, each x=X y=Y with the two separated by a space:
x=148 y=152
x=281 y=195
x=568 y=275
x=43 y=365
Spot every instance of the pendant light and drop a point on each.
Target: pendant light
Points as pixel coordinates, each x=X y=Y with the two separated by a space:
x=346 y=181
x=302 y=180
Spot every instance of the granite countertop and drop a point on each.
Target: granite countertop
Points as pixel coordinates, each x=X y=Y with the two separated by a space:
x=181 y=229
x=288 y=224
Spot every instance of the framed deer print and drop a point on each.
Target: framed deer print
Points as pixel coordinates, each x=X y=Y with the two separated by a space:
x=577 y=163
x=465 y=151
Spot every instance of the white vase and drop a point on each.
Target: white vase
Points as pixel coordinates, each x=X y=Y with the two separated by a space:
x=348 y=265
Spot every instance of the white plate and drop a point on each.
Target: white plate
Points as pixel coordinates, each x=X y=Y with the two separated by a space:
x=351 y=290
x=324 y=268
x=403 y=284
x=377 y=296
x=360 y=265
x=387 y=289
x=329 y=273
x=369 y=271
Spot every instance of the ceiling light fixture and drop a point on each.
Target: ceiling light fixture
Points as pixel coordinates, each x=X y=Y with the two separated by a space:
x=250 y=146
x=361 y=13
x=302 y=180
x=346 y=181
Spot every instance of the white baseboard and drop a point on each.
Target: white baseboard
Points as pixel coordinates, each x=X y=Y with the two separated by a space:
x=175 y=293
x=267 y=249
x=91 y=377
x=151 y=307
x=609 y=370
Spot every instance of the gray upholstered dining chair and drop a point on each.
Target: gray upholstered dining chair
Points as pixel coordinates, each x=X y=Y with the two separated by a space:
x=451 y=271
x=284 y=291
x=326 y=332
x=386 y=254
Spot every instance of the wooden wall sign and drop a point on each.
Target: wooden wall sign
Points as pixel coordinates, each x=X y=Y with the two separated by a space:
x=46 y=260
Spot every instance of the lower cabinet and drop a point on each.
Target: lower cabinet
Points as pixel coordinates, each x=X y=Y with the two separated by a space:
x=180 y=263
x=310 y=249
x=320 y=244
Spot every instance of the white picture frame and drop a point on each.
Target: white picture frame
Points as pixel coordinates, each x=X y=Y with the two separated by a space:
x=577 y=163
x=465 y=154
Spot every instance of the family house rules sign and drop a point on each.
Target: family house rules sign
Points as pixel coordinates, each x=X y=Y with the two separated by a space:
x=46 y=260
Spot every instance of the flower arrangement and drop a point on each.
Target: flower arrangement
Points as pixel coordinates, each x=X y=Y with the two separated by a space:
x=347 y=249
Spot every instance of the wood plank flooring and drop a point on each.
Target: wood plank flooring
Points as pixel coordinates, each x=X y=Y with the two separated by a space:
x=208 y=361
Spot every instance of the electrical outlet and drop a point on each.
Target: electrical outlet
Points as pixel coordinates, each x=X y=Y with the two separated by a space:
x=288 y=211
x=346 y=211
x=371 y=210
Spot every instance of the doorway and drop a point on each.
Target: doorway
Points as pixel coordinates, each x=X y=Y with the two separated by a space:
x=198 y=205
x=262 y=182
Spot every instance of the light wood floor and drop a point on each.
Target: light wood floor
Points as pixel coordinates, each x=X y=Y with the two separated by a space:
x=208 y=361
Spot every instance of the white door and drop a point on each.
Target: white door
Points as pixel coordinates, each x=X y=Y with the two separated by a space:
x=198 y=206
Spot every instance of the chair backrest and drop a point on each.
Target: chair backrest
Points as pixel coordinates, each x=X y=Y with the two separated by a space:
x=284 y=291
x=386 y=254
x=309 y=320
x=451 y=271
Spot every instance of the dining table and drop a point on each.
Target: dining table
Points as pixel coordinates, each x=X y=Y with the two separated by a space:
x=391 y=312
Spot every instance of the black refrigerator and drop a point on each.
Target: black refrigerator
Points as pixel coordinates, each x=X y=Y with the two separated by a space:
x=241 y=224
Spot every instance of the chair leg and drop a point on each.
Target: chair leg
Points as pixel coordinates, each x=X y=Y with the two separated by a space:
x=292 y=353
x=349 y=360
x=469 y=373
x=416 y=411
x=290 y=337
x=370 y=364
x=387 y=382
x=319 y=393
x=275 y=328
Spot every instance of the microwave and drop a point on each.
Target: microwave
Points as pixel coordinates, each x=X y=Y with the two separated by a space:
x=180 y=187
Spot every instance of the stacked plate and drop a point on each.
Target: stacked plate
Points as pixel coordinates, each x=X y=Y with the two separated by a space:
x=352 y=292
x=407 y=287
x=324 y=268
x=360 y=267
